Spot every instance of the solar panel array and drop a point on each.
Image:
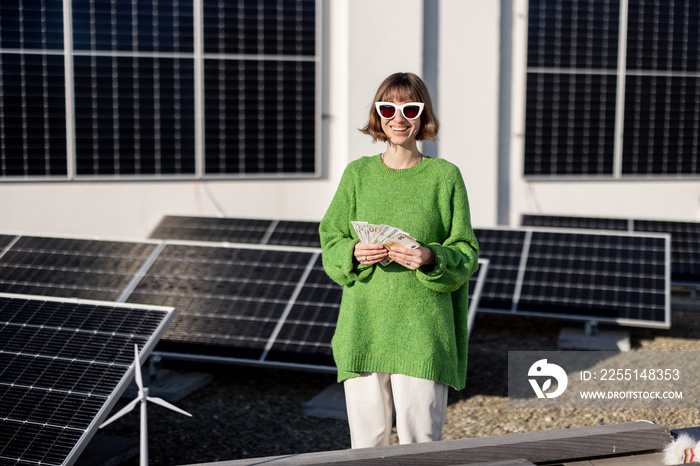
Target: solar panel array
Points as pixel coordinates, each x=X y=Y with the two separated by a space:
x=234 y=302
x=587 y=60
x=615 y=277
x=258 y=304
x=63 y=365
x=685 y=238
x=97 y=89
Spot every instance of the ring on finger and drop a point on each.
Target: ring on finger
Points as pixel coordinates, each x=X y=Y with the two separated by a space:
x=408 y=262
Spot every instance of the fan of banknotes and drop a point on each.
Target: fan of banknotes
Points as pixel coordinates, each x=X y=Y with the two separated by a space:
x=386 y=235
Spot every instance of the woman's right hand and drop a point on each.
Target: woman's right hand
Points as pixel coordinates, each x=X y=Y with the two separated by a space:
x=369 y=253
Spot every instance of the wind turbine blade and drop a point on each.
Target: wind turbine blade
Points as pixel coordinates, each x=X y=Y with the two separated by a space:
x=126 y=409
x=165 y=404
x=137 y=368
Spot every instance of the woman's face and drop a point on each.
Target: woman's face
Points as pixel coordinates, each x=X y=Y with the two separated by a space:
x=400 y=130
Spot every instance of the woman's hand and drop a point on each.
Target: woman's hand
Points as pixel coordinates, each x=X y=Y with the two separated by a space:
x=368 y=253
x=412 y=258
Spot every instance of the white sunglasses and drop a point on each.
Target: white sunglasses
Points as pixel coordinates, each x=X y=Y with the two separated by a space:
x=410 y=110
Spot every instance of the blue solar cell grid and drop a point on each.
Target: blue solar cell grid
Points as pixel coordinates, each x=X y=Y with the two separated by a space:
x=685 y=247
x=70 y=268
x=259 y=116
x=604 y=277
x=260 y=27
x=229 y=299
x=36 y=25
x=134 y=116
x=569 y=124
x=133 y=86
x=572 y=95
x=621 y=278
x=663 y=35
x=565 y=34
x=305 y=337
x=32 y=115
x=661 y=139
x=129 y=26
x=685 y=238
x=61 y=364
x=503 y=249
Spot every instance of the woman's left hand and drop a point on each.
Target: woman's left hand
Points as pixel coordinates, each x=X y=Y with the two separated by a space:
x=412 y=258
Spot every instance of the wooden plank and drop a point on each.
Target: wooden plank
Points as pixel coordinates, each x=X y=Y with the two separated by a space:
x=515 y=462
x=649 y=459
x=535 y=447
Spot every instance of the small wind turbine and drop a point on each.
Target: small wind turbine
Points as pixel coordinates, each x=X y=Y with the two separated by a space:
x=142 y=398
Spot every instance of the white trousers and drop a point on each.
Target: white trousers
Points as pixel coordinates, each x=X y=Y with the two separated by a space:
x=420 y=406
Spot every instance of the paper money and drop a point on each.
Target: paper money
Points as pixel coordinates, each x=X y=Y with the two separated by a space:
x=361 y=228
x=401 y=239
x=386 y=235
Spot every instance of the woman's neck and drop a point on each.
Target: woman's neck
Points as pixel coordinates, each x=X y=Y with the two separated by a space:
x=399 y=157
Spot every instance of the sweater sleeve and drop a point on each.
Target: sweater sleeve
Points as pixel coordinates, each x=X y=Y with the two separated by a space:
x=338 y=237
x=456 y=258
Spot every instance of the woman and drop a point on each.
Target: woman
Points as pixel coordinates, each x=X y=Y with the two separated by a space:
x=401 y=335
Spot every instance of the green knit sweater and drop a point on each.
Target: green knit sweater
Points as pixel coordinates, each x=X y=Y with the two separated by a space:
x=393 y=319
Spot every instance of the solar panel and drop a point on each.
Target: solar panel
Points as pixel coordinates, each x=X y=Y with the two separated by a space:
x=32 y=109
x=685 y=238
x=229 y=299
x=615 y=277
x=71 y=268
x=685 y=247
x=295 y=234
x=63 y=365
x=503 y=248
x=134 y=116
x=238 y=230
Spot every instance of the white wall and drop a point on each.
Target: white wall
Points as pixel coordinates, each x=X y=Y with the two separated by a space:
x=468 y=99
x=378 y=47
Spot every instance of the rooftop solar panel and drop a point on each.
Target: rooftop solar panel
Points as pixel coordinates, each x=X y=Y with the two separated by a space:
x=685 y=247
x=229 y=299
x=685 y=238
x=504 y=249
x=615 y=277
x=71 y=268
x=305 y=333
x=295 y=234
x=259 y=304
x=63 y=364
x=238 y=230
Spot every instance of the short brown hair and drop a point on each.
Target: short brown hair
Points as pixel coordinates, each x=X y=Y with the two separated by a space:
x=403 y=87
